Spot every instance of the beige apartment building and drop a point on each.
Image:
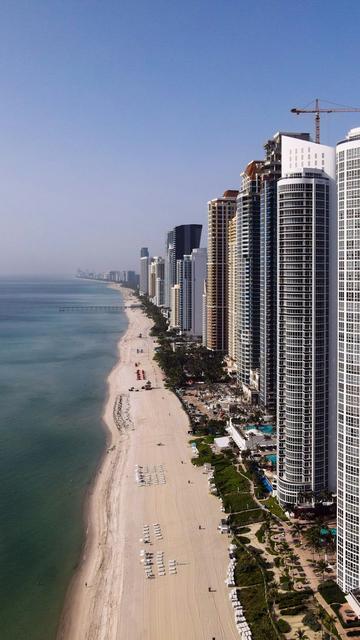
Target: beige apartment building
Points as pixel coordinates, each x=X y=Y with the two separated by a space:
x=220 y=212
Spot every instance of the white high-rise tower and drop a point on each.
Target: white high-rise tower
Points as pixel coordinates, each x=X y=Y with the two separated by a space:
x=305 y=335
x=348 y=491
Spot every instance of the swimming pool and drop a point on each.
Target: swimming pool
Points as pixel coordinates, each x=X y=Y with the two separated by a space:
x=272 y=458
x=264 y=428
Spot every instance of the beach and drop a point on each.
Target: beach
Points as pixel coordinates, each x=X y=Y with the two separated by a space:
x=110 y=597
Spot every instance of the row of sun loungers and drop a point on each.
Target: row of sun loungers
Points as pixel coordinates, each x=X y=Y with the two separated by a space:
x=147 y=557
x=146 y=533
x=230 y=580
x=146 y=476
x=240 y=620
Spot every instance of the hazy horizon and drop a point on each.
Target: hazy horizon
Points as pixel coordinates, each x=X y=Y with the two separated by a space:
x=120 y=120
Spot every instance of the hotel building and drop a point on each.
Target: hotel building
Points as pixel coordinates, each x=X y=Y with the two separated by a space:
x=306 y=358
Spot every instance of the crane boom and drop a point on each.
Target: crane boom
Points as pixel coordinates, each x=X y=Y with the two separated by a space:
x=317 y=110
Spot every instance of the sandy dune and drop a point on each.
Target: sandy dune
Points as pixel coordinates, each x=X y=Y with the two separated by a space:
x=110 y=598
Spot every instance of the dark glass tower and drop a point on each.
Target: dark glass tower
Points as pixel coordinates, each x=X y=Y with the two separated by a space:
x=180 y=241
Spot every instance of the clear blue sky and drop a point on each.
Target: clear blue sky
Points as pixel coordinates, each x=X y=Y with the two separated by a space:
x=120 y=119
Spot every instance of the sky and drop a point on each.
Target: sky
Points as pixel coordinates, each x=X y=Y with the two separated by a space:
x=120 y=119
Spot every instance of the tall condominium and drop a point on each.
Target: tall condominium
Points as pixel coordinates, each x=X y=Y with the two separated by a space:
x=159 y=281
x=348 y=491
x=204 y=315
x=183 y=277
x=268 y=265
x=220 y=212
x=180 y=241
x=144 y=275
x=152 y=279
x=175 y=306
x=306 y=213
x=248 y=273
x=169 y=281
x=198 y=275
x=232 y=263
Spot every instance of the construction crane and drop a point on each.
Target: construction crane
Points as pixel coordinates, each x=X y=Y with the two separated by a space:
x=317 y=110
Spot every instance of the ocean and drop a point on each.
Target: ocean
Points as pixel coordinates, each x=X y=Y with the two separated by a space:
x=53 y=370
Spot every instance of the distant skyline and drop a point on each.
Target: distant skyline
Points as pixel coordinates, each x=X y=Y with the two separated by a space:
x=120 y=120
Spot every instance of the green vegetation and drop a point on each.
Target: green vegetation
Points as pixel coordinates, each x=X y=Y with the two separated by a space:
x=257 y=614
x=234 y=502
x=311 y=621
x=331 y=592
x=153 y=312
x=247 y=570
x=187 y=361
x=246 y=517
x=292 y=598
x=274 y=507
x=283 y=626
x=226 y=478
x=293 y=611
x=260 y=534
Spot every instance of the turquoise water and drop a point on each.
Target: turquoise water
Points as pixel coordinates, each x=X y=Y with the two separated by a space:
x=272 y=458
x=53 y=370
x=264 y=428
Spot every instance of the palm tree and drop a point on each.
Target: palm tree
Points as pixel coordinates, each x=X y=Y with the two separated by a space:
x=301 y=635
x=322 y=566
x=312 y=536
x=297 y=528
x=321 y=615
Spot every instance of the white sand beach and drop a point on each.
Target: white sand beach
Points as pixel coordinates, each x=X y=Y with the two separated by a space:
x=110 y=597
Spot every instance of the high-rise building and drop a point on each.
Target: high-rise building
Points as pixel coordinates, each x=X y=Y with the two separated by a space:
x=144 y=275
x=159 y=281
x=180 y=241
x=183 y=277
x=306 y=213
x=268 y=264
x=232 y=284
x=348 y=412
x=204 y=315
x=159 y=292
x=152 y=279
x=175 y=306
x=131 y=278
x=248 y=274
x=114 y=276
x=220 y=212
x=144 y=252
x=168 y=274
x=198 y=275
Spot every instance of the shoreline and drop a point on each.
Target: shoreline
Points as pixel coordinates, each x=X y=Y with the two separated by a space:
x=97 y=607
x=89 y=534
